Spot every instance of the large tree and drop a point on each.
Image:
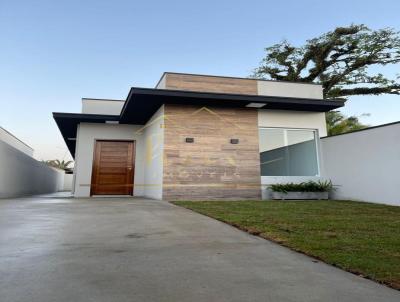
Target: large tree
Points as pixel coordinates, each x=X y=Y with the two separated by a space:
x=339 y=60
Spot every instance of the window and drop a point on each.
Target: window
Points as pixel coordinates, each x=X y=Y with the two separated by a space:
x=288 y=152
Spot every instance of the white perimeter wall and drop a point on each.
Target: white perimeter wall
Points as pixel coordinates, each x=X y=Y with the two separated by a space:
x=365 y=165
x=11 y=140
x=20 y=174
x=148 y=166
x=291 y=119
x=68 y=178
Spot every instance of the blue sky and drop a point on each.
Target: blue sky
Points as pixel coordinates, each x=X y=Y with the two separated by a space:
x=53 y=53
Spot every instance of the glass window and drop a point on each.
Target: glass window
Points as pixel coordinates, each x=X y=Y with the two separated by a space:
x=288 y=152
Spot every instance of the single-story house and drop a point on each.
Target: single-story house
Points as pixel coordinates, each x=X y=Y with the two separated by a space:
x=197 y=137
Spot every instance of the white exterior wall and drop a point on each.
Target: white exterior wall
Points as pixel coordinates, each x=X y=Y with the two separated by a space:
x=68 y=178
x=20 y=174
x=11 y=140
x=107 y=107
x=154 y=140
x=87 y=135
x=365 y=165
x=148 y=170
x=288 y=89
x=291 y=119
x=161 y=84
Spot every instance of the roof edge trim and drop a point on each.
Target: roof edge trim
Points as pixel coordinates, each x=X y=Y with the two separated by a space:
x=231 y=77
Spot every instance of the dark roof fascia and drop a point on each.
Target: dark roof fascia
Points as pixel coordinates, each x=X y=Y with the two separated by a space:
x=218 y=96
x=128 y=97
x=142 y=103
x=86 y=117
x=68 y=124
x=231 y=97
x=364 y=129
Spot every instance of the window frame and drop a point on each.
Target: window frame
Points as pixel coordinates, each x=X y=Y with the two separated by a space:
x=285 y=129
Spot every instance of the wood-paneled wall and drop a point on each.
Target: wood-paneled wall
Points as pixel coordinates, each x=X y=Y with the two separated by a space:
x=210 y=84
x=211 y=168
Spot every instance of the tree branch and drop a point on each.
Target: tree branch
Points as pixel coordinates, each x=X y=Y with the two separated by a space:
x=339 y=59
x=393 y=89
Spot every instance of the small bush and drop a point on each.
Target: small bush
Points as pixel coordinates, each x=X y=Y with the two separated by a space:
x=309 y=186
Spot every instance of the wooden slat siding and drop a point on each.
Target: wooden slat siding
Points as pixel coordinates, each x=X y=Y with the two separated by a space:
x=111 y=174
x=210 y=84
x=211 y=168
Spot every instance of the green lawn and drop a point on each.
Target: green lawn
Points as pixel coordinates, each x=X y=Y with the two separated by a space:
x=363 y=238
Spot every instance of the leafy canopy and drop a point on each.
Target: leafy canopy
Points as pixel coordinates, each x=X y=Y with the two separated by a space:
x=339 y=60
x=338 y=123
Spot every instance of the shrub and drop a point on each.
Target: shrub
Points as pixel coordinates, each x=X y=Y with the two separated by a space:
x=309 y=186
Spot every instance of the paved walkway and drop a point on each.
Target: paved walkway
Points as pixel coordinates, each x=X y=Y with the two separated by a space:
x=105 y=249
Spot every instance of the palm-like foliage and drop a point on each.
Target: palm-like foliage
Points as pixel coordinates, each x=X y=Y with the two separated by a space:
x=56 y=163
x=338 y=123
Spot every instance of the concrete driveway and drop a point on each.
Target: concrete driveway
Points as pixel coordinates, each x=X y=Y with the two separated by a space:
x=114 y=249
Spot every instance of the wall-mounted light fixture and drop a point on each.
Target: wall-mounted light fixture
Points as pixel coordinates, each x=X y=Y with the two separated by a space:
x=189 y=140
x=256 y=105
x=234 y=141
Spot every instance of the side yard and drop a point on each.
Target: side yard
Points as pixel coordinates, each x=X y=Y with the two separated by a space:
x=362 y=238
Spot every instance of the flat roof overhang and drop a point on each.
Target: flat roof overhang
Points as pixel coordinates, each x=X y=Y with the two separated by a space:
x=142 y=103
x=68 y=125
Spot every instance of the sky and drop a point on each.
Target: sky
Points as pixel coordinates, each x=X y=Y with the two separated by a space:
x=53 y=53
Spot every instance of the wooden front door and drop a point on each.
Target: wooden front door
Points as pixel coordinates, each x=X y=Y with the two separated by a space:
x=113 y=168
